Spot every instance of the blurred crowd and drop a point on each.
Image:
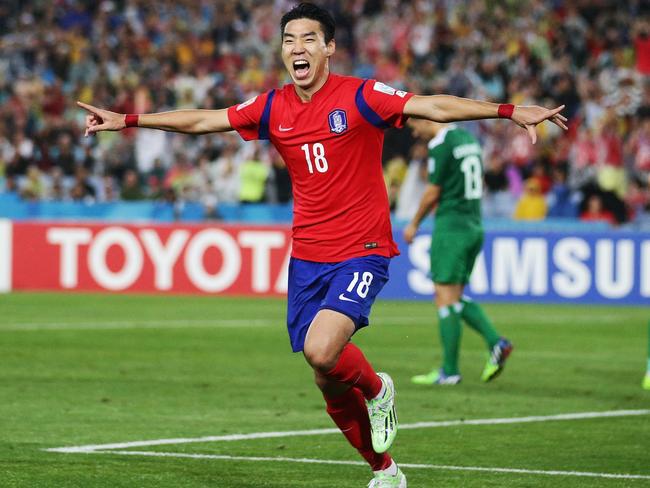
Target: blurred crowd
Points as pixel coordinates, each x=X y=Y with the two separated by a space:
x=137 y=56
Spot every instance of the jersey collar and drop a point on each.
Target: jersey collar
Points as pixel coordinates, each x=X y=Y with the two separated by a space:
x=323 y=91
x=440 y=136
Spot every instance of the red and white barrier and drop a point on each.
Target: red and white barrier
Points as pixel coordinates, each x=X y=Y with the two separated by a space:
x=5 y=255
x=244 y=260
x=540 y=267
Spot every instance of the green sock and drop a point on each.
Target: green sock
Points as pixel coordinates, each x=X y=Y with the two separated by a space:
x=450 y=333
x=473 y=314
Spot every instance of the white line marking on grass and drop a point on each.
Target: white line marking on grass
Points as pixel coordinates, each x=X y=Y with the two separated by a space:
x=211 y=438
x=297 y=433
x=535 y=418
x=174 y=324
x=360 y=463
x=227 y=323
x=142 y=324
x=117 y=448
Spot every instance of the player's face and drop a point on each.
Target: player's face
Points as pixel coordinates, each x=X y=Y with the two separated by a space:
x=423 y=129
x=305 y=53
x=417 y=127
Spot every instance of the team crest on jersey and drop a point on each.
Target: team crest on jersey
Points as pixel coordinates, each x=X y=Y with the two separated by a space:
x=338 y=121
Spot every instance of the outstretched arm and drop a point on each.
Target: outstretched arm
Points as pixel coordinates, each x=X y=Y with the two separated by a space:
x=427 y=203
x=186 y=121
x=447 y=108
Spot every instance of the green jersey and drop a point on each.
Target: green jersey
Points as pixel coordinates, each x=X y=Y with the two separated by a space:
x=456 y=166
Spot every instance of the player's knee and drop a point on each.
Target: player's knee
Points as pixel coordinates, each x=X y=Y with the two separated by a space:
x=320 y=380
x=320 y=358
x=447 y=296
x=443 y=301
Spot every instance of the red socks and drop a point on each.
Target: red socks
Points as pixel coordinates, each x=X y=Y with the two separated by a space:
x=349 y=410
x=351 y=416
x=354 y=369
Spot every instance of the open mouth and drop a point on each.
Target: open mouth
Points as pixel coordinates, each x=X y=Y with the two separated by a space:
x=301 y=69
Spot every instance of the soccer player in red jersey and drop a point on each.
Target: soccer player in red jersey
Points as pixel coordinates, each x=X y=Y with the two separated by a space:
x=329 y=131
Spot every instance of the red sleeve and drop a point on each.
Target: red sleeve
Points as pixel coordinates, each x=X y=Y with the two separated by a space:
x=387 y=102
x=245 y=118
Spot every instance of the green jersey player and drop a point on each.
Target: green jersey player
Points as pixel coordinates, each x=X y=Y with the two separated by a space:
x=455 y=188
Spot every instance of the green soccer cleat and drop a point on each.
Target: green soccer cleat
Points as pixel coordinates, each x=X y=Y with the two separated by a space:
x=383 y=419
x=497 y=359
x=646 y=381
x=436 y=377
x=383 y=480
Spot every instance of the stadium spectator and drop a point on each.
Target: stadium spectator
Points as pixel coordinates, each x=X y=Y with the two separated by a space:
x=637 y=199
x=57 y=190
x=11 y=184
x=595 y=211
x=253 y=76
x=611 y=175
x=156 y=174
x=531 y=205
x=33 y=187
x=610 y=202
x=561 y=200
x=82 y=189
x=179 y=175
x=201 y=186
x=63 y=154
x=539 y=173
x=226 y=173
x=108 y=191
x=253 y=174
x=394 y=174
x=638 y=148
x=131 y=188
x=498 y=200
x=279 y=190
x=641 y=35
x=414 y=183
x=19 y=154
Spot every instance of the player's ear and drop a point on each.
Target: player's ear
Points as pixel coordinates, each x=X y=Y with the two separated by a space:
x=331 y=47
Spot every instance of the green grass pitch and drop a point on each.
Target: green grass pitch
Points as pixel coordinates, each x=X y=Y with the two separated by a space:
x=80 y=370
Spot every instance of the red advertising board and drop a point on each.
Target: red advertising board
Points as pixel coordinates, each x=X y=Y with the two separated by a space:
x=177 y=258
x=541 y=267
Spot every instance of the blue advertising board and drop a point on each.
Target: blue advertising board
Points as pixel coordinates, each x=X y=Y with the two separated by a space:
x=542 y=267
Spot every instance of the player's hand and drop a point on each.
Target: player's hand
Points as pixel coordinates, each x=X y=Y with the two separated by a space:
x=409 y=232
x=100 y=119
x=528 y=117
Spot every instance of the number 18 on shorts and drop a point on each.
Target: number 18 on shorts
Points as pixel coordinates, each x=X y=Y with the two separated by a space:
x=349 y=287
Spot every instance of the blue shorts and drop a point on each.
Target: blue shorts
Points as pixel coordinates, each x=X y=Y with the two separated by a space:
x=349 y=287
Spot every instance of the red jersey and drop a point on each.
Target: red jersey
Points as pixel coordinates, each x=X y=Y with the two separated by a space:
x=332 y=147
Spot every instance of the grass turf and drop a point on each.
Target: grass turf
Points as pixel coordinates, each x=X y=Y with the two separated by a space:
x=93 y=369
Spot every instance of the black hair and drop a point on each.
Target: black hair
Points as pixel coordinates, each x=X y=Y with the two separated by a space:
x=306 y=10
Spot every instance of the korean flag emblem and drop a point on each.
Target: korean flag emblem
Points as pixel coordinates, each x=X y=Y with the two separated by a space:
x=338 y=121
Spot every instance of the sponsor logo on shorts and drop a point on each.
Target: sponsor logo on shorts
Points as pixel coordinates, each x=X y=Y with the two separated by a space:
x=346 y=299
